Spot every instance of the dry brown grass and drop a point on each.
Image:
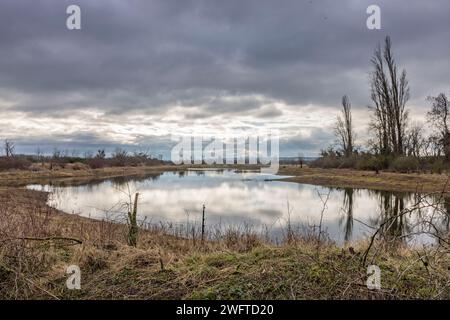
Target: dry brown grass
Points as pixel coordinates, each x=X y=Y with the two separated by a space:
x=349 y=178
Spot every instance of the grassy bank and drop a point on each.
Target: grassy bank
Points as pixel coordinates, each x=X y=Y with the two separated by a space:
x=38 y=243
x=350 y=178
x=17 y=178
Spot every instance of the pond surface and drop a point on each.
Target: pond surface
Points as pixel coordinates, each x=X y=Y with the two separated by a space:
x=247 y=200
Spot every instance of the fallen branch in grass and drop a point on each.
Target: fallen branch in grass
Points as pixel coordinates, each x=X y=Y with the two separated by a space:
x=77 y=241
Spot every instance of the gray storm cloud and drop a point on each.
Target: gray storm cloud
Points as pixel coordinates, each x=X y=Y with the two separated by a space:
x=183 y=62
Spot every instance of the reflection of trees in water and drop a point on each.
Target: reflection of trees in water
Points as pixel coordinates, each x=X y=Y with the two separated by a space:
x=393 y=224
x=347 y=219
x=120 y=182
x=394 y=219
x=409 y=214
x=440 y=218
x=446 y=215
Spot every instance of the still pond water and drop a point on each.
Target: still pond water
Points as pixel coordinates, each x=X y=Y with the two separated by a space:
x=241 y=200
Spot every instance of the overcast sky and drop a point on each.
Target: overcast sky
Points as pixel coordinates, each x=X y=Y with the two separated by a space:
x=141 y=70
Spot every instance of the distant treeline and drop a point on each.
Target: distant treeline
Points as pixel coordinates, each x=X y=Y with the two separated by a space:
x=62 y=159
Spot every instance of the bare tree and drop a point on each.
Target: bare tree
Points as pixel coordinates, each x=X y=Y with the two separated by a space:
x=439 y=117
x=39 y=154
x=120 y=153
x=56 y=153
x=120 y=156
x=100 y=154
x=300 y=159
x=9 y=148
x=432 y=146
x=389 y=94
x=344 y=128
x=415 y=142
